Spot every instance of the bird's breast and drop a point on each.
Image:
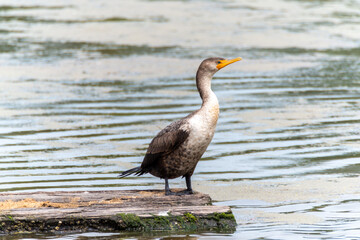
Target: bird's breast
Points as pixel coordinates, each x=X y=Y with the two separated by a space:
x=203 y=126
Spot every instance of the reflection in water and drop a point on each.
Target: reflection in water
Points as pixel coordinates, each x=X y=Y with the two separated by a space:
x=84 y=86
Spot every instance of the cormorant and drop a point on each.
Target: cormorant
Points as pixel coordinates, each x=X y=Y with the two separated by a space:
x=176 y=150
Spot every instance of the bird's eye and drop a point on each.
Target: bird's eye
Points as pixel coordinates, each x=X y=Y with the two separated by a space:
x=218 y=62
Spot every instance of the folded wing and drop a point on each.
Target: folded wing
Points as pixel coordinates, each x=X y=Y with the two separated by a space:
x=167 y=141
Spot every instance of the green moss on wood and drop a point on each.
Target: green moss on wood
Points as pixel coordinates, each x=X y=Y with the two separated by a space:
x=190 y=217
x=162 y=221
x=131 y=220
x=123 y=222
x=219 y=216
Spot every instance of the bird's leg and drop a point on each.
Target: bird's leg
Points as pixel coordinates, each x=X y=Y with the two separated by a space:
x=167 y=188
x=185 y=192
x=188 y=185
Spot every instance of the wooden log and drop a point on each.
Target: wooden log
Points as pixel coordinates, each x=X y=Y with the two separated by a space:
x=110 y=211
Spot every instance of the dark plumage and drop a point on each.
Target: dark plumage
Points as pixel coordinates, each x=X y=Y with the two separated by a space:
x=176 y=150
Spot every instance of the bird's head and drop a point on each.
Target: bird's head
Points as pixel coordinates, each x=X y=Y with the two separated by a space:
x=212 y=65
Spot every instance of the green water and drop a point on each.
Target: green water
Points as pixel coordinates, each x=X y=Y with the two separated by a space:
x=85 y=85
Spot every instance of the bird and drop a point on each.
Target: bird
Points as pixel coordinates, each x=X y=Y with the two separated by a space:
x=176 y=149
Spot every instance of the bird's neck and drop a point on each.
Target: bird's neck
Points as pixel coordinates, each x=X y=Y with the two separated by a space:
x=209 y=99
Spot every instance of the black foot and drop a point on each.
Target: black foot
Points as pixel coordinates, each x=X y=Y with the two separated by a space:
x=170 y=193
x=181 y=193
x=186 y=192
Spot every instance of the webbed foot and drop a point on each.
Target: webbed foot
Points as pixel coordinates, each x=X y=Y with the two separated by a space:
x=186 y=192
x=169 y=193
x=181 y=193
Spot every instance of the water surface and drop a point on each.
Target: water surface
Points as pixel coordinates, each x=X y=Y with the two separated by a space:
x=85 y=85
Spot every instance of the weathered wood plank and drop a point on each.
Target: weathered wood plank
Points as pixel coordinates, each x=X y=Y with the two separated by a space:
x=110 y=210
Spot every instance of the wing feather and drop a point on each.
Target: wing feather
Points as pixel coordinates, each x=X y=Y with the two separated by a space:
x=167 y=140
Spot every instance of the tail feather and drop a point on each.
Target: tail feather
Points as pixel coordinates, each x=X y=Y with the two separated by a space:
x=137 y=171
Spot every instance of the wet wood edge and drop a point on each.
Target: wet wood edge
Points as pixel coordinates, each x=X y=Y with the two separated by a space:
x=133 y=210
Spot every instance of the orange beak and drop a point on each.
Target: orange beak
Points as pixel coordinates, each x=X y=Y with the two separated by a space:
x=225 y=62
